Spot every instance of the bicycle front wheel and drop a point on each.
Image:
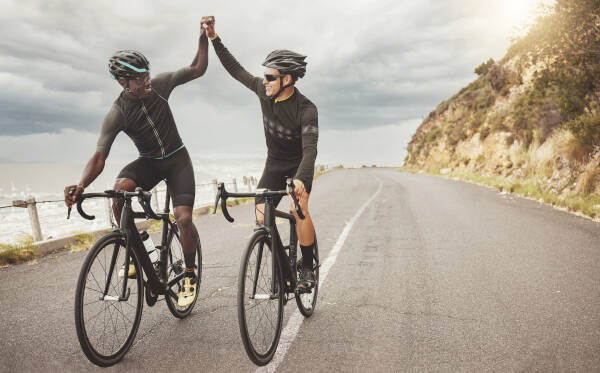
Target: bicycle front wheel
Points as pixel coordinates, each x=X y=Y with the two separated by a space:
x=106 y=324
x=174 y=268
x=260 y=300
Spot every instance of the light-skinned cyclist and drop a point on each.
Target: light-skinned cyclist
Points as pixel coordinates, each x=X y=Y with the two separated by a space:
x=142 y=111
x=291 y=133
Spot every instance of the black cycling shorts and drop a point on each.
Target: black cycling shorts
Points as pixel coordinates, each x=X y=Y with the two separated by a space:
x=177 y=171
x=274 y=175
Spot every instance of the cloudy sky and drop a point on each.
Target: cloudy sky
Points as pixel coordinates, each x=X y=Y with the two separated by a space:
x=375 y=69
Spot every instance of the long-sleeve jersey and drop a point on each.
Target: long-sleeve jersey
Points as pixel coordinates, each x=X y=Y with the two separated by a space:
x=291 y=125
x=149 y=121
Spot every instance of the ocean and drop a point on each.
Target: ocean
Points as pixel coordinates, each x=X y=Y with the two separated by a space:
x=46 y=182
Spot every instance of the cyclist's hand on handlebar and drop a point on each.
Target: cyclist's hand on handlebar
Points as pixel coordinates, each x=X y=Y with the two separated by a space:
x=208 y=24
x=72 y=192
x=298 y=188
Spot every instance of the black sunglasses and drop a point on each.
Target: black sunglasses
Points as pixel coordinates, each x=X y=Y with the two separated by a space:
x=272 y=77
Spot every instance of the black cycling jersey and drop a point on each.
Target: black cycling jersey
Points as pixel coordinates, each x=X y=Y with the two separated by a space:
x=148 y=121
x=291 y=125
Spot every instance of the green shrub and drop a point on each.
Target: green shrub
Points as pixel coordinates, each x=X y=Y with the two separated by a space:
x=484 y=67
x=433 y=134
x=586 y=129
x=496 y=123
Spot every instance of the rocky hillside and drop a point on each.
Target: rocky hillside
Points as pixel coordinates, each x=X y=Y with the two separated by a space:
x=531 y=121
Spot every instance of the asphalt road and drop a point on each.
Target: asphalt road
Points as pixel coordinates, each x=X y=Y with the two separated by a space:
x=435 y=275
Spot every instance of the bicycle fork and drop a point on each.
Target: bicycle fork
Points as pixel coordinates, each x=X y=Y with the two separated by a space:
x=125 y=292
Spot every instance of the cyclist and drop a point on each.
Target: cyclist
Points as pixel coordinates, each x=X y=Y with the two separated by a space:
x=142 y=111
x=291 y=132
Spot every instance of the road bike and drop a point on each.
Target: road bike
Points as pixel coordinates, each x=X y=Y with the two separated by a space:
x=111 y=285
x=268 y=276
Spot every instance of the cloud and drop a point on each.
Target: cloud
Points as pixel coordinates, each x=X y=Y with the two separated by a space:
x=371 y=64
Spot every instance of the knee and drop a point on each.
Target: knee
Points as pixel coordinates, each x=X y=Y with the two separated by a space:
x=303 y=202
x=184 y=221
x=125 y=184
x=259 y=212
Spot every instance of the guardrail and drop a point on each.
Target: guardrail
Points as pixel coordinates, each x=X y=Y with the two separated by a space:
x=31 y=204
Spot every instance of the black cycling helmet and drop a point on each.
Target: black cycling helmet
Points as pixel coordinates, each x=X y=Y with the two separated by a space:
x=128 y=64
x=287 y=62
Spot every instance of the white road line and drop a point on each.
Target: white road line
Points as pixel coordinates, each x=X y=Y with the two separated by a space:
x=291 y=329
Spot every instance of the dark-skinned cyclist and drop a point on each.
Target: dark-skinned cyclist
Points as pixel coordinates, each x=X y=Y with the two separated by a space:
x=291 y=133
x=142 y=111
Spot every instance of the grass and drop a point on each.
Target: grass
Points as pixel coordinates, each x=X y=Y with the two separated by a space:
x=586 y=204
x=233 y=202
x=16 y=253
x=83 y=241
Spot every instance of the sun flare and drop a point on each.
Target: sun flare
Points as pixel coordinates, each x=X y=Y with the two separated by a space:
x=520 y=13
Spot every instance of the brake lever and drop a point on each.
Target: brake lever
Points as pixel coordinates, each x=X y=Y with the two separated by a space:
x=290 y=186
x=217 y=201
x=71 y=191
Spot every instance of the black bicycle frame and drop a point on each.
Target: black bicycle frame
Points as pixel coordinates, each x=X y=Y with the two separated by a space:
x=134 y=242
x=287 y=263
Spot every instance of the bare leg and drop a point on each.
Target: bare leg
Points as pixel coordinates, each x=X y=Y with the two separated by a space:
x=188 y=234
x=304 y=228
x=121 y=184
x=259 y=212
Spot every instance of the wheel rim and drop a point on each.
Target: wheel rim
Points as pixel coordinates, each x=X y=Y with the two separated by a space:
x=109 y=323
x=261 y=314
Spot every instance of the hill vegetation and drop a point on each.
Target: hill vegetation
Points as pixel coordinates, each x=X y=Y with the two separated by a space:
x=529 y=123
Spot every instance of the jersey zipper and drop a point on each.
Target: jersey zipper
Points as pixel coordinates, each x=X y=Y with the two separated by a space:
x=162 y=149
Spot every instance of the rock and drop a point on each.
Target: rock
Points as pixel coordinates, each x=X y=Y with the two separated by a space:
x=445 y=171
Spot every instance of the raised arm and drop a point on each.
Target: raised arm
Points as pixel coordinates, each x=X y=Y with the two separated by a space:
x=164 y=83
x=229 y=62
x=200 y=62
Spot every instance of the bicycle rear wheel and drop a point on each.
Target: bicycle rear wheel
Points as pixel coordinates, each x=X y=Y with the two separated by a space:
x=106 y=326
x=260 y=300
x=307 y=301
x=175 y=266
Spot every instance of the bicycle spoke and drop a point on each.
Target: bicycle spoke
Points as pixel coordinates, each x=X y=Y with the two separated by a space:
x=92 y=302
x=97 y=283
x=94 y=316
x=97 y=291
x=124 y=324
x=104 y=330
x=112 y=323
x=135 y=308
x=95 y=321
x=122 y=312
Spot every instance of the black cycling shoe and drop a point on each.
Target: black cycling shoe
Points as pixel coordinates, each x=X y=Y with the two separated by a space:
x=307 y=279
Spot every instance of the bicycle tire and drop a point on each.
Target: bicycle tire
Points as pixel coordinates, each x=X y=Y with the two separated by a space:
x=247 y=307
x=93 y=350
x=307 y=302
x=175 y=265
